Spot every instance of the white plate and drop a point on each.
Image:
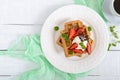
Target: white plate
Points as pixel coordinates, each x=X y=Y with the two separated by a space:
x=55 y=54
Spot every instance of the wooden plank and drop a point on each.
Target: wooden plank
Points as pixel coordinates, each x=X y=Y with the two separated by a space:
x=109 y=67
x=20 y=29
x=28 y=11
x=10 y=33
x=8 y=77
x=12 y=66
x=85 y=78
x=100 y=78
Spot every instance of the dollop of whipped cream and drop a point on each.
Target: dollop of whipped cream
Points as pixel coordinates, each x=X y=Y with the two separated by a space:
x=78 y=40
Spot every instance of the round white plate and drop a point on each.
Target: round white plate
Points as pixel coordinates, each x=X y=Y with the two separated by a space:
x=55 y=54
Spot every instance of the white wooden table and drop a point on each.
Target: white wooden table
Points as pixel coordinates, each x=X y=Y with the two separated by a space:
x=21 y=17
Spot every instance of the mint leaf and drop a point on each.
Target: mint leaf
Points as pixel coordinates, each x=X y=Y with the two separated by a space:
x=118 y=41
x=113 y=44
x=56 y=28
x=109 y=46
x=71 y=52
x=112 y=28
x=115 y=35
x=82 y=45
x=65 y=36
x=89 y=28
x=113 y=32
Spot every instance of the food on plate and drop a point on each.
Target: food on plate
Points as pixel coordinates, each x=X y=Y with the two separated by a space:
x=56 y=28
x=75 y=39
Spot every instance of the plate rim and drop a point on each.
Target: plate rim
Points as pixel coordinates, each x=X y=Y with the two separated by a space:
x=106 y=35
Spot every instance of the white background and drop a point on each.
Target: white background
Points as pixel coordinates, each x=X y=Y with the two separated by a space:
x=21 y=17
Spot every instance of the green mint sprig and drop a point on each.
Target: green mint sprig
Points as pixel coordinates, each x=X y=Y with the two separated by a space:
x=82 y=45
x=116 y=37
x=71 y=52
x=65 y=36
x=112 y=30
x=89 y=28
x=56 y=28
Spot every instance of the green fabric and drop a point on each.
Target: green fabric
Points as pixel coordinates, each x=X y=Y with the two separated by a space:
x=29 y=48
x=94 y=4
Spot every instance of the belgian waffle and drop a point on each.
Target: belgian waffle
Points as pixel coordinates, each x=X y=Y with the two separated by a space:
x=59 y=41
x=66 y=44
x=62 y=42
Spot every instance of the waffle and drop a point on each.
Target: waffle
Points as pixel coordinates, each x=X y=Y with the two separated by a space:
x=59 y=41
x=62 y=42
x=66 y=44
x=73 y=24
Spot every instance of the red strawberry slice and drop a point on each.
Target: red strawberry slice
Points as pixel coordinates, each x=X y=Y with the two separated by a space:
x=76 y=34
x=80 y=31
x=78 y=51
x=89 y=48
x=73 y=46
x=72 y=33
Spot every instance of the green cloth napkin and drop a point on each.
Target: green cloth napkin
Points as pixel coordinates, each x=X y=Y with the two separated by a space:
x=93 y=4
x=29 y=48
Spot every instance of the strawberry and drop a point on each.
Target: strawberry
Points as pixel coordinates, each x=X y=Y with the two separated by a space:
x=73 y=46
x=80 y=31
x=72 y=33
x=78 y=51
x=89 y=48
x=76 y=34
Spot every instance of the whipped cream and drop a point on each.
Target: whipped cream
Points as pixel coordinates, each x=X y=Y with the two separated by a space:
x=78 y=40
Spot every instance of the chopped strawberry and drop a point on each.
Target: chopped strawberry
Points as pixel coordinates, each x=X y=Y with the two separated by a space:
x=76 y=34
x=78 y=51
x=89 y=48
x=72 y=33
x=73 y=46
x=80 y=31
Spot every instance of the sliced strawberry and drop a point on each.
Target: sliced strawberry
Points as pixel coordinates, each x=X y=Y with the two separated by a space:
x=80 y=31
x=76 y=34
x=73 y=46
x=89 y=48
x=72 y=33
x=78 y=51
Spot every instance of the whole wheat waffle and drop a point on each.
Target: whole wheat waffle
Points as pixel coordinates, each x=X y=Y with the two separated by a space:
x=59 y=41
x=66 y=44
